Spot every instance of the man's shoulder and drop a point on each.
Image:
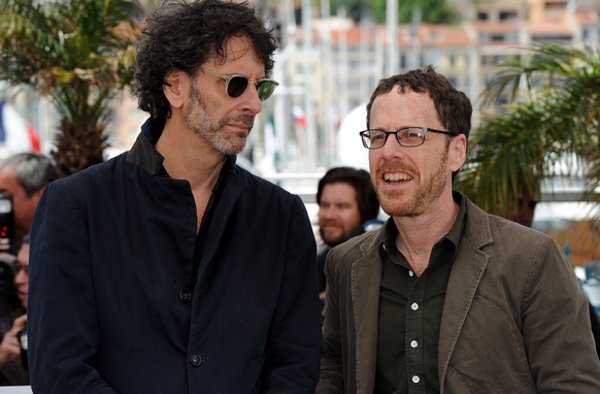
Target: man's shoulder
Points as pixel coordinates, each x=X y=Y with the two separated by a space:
x=98 y=177
x=512 y=249
x=484 y=228
x=357 y=256
x=95 y=171
x=359 y=245
x=262 y=190
x=508 y=232
x=257 y=181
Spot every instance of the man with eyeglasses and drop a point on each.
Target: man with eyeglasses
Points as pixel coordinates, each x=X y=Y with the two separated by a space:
x=170 y=269
x=445 y=297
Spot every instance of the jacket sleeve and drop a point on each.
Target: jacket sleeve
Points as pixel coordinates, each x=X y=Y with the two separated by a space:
x=556 y=326
x=294 y=343
x=331 y=380
x=62 y=321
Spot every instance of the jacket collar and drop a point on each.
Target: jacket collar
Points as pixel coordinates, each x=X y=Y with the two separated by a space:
x=477 y=231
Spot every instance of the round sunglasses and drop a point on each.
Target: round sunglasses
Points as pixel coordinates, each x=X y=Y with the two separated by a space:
x=235 y=84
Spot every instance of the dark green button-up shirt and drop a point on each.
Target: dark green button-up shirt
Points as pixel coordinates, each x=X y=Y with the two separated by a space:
x=410 y=311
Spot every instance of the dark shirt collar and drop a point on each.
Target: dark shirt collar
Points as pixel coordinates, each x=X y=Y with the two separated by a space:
x=454 y=235
x=457 y=230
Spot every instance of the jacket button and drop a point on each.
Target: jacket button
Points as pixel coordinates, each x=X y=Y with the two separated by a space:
x=185 y=296
x=195 y=360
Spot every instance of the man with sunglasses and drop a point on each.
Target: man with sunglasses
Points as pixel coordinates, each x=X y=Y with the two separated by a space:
x=445 y=297
x=170 y=269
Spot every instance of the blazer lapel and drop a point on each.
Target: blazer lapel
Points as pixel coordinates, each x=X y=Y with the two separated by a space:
x=468 y=268
x=365 y=283
x=232 y=190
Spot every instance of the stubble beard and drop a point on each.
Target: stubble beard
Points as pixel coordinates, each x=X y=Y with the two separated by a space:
x=395 y=204
x=197 y=119
x=332 y=241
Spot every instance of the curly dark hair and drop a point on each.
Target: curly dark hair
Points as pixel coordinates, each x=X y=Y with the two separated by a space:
x=453 y=106
x=182 y=35
x=360 y=180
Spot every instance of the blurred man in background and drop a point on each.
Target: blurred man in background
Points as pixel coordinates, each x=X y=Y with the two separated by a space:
x=347 y=207
x=23 y=177
x=13 y=321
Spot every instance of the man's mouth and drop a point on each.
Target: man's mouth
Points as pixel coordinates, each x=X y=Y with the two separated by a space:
x=241 y=127
x=397 y=177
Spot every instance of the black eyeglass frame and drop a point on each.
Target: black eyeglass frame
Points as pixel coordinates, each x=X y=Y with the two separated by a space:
x=364 y=136
x=257 y=83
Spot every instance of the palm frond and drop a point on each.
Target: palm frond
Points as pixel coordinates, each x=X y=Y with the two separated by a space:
x=550 y=129
x=79 y=54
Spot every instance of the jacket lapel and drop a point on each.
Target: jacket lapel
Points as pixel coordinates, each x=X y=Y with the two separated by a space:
x=232 y=189
x=468 y=268
x=365 y=283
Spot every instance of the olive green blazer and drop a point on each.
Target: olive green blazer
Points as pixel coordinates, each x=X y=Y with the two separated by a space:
x=514 y=318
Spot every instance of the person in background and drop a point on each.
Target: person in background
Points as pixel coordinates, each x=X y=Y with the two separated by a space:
x=21 y=268
x=445 y=297
x=23 y=177
x=347 y=206
x=13 y=367
x=169 y=268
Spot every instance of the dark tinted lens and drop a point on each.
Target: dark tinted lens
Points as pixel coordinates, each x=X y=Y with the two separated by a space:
x=237 y=85
x=265 y=89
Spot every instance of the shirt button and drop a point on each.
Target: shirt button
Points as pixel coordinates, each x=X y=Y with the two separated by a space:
x=195 y=360
x=414 y=306
x=415 y=379
x=185 y=296
x=411 y=273
x=414 y=344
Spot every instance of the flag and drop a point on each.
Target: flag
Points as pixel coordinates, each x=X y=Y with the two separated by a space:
x=16 y=135
x=299 y=116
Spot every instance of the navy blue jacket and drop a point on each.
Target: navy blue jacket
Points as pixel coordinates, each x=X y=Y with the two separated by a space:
x=113 y=306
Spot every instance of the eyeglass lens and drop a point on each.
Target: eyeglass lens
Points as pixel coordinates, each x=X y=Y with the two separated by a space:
x=374 y=139
x=237 y=86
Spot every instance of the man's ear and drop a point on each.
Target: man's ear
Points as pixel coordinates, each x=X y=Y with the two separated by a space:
x=457 y=154
x=175 y=88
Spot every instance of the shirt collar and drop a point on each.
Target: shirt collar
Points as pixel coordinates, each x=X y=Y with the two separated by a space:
x=454 y=235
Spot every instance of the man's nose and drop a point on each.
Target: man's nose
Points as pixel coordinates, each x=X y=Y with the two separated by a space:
x=21 y=277
x=252 y=104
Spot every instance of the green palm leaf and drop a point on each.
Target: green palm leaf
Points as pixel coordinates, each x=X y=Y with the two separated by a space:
x=79 y=55
x=549 y=129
